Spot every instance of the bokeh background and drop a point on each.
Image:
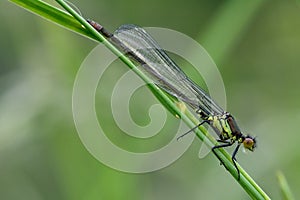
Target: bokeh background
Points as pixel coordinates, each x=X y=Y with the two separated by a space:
x=256 y=45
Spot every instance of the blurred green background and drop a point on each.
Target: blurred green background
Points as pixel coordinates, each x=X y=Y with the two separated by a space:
x=256 y=45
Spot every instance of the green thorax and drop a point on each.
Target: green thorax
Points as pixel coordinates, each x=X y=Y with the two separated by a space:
x=225 y=126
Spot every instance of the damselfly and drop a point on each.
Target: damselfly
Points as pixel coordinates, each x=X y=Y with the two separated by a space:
x=143 y=49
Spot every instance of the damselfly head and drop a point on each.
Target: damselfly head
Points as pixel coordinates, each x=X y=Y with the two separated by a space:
x=249 y=142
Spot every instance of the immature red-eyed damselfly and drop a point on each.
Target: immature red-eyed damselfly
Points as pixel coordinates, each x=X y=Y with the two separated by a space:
x=135 y=42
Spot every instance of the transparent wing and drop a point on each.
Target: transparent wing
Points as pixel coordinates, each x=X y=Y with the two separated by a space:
x=162 y=70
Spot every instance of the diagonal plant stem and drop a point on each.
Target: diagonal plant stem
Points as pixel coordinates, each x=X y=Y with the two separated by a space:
x=284 y=187
x=78 y=24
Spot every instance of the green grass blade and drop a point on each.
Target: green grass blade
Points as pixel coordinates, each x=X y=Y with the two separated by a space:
x=284 y=187
x=55 y=15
